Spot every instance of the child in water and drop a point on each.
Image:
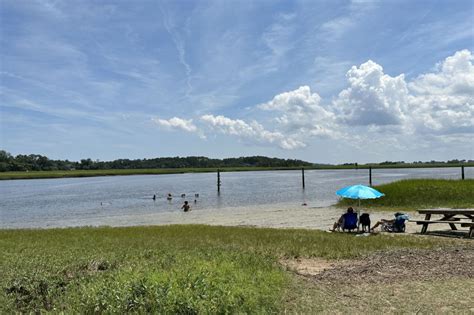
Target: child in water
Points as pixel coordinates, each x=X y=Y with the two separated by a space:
x=186 y=207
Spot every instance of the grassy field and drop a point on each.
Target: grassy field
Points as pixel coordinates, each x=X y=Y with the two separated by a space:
x=115 y=172
x=415 y=194
x=176 y=269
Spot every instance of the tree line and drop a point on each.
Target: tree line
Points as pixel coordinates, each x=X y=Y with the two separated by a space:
x=35 y=162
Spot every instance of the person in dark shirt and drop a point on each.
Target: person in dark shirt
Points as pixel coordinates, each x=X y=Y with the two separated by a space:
x=347 y=221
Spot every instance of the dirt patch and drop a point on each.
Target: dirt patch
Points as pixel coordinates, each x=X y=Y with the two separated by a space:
x=311 y=266
x=390 y=266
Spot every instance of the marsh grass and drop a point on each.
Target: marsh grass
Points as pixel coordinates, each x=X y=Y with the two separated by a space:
x=412 y=194
x=117 y=172
x=173 y=269
x=159 y=171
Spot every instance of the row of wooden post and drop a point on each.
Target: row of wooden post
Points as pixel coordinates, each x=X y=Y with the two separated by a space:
x=302 y=177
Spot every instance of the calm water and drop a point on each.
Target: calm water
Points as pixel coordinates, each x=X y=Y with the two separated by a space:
x=41 y=202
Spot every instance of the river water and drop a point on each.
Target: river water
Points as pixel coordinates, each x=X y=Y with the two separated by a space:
x=85 y=201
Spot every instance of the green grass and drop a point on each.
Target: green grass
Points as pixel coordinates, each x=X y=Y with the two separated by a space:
x=415 y=194
x=174 y=269
x=115 y=172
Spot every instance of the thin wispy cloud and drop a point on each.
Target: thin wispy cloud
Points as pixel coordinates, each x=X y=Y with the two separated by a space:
x=179 y=42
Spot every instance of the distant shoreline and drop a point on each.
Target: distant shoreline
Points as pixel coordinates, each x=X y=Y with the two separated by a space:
x=125 y=172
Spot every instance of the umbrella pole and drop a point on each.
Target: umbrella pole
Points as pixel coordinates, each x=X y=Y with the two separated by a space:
x=358 y=216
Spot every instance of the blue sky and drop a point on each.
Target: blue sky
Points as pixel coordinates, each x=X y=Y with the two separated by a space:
x=323 y=81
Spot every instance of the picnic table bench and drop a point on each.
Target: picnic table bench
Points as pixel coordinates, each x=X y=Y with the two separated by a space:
x=463 y=217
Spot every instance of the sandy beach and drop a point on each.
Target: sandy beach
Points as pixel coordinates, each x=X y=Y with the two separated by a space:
x=272 y=216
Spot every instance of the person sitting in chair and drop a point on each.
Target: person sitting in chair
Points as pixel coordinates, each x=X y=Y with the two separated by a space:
x=347 y=221
x=396 y=225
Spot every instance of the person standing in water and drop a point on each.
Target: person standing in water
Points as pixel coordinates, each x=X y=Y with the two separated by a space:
x=154 y=197
x=186 y=207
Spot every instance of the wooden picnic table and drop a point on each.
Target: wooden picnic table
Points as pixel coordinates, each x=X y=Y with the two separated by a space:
x=463 y=217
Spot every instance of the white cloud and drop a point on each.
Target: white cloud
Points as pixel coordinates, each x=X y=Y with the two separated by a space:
x=278 y=36
x=341 y=25
x=443 y=101
x=171 y=27
x=177 y=123
x=338 y=26
x=302 y=113
x=250 y=131
x=372 y=98
x=299 y=99
x=433 y=109
x=455 y=76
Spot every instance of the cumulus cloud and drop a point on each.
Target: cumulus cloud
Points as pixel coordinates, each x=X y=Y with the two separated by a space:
x=177 y=123
x=432 y=108
x=443 y=101
x=301 y=113
x=251 y=131
x=454 y=76
x=372 y=98
x=429 y=111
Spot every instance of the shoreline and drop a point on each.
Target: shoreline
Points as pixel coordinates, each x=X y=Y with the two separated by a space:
x=277 y=216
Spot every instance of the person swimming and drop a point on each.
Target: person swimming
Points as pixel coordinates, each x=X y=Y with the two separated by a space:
x=186 y=207
x=169 y=197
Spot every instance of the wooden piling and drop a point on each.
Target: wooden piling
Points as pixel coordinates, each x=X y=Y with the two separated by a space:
x=462 y=172
x=370 y=176
x=302 y=176
x=218 y=180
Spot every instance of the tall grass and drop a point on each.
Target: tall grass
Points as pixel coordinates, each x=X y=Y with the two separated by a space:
x=158 y=171
x=414 y=194
x=115 y=172
x=175 y=269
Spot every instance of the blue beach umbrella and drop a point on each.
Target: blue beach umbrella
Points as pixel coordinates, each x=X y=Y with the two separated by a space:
x=359 y=192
